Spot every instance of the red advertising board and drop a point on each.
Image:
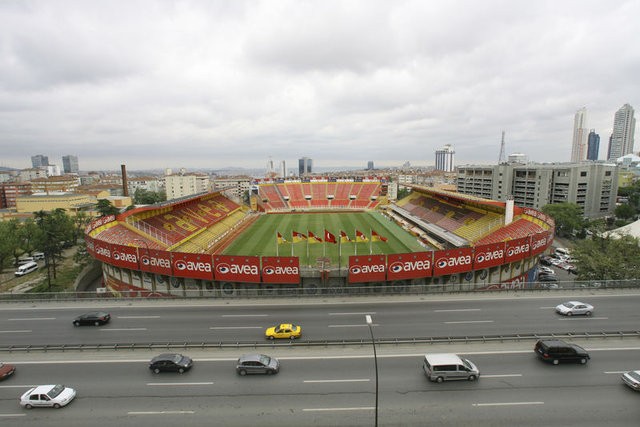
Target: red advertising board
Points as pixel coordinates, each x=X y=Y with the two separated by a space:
x=491 y=255
x=229 y=268
x=280 y=269
x=539 y=242
x=452 y=261
x=88 y=241
x=367 y=268
x=409 y=266
x=124 y=256
x=194 y=266
x=155 y=261
x=102 y=251
x=517 y=249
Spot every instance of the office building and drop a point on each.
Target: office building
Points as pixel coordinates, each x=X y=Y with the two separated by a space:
x=445 y=159
x=70 y=164
x=579 y=145
x=39 y=161
x=370 y=165
x=305 y=166
x=593 y=145
x=283 y=169
x=622 y=138
x=182 y=185
x=592 y=186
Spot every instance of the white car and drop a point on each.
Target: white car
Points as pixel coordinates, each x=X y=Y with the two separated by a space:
x=55 y=396
x=547 y=270
x=632 y=379
x=570 y=308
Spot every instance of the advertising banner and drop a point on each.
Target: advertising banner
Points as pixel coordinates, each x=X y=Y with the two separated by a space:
x=491 y=255
x=452 y=261
x=517 y=249
x=281 y=269
x=88 y=241
x=539 y=242
x=102 y=251
x=231 y=268
x=367 y=268
x=155 y=261
x=124 y=256
x=193 y=266
x=409 y=266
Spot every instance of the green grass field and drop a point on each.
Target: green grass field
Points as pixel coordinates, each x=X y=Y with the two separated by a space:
x=260 y=238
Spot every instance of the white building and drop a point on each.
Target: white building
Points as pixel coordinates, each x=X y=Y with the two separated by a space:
x=580 y=133
x=177 y=186
x=622 y=138
x=445 y=159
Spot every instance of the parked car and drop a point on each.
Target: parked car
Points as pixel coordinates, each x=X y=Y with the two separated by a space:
x=556 y=351
x=283 y=330
x=549 y=286
x=6 y=371
x=54 y=396
x=547 y=278
x=545 y=260
x=96 y=318
x=632 y=379
x=542 y=269
x=570 y=308
x=257 y=364
x=170 y=362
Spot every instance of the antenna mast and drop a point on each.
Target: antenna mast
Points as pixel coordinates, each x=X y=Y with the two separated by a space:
x=503 y=157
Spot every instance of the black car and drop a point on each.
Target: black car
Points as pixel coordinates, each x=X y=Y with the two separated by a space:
x=547 y=278
x=556 y=351
x=257 y=364
x=96 y=318
x=545 y=260
x=170 y=362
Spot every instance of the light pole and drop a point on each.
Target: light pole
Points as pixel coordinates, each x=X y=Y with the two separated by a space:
x=375 y=361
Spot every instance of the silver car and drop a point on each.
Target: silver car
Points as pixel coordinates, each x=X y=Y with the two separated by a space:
x=571 y=308
x=632 y=379
x=257 y=364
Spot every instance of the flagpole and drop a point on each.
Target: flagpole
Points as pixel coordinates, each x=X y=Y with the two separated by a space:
x=277 y=245
x=370 y=243
x=340 y=252
x=292 y=242
x=355 y=246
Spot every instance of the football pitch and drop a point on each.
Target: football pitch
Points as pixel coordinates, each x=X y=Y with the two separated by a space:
x=261 y=238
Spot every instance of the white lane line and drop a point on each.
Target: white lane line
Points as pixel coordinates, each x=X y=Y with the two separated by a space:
x=236 y=327
x=23 y=319
x=501 y=375
x=546 y=308
x=138 y=317
x=469 y=321
x=583 y=318
x=507 y=404
x=352 y=314
x=615 y=372
x=456 y=310
x=24 y=331
x=123 y=329
x=18 y=386
x=361 y=408
x=160 y=412
x=245 y=315
x=338 y=381
x=12 y=415
x=173 y=384
x=353 y=326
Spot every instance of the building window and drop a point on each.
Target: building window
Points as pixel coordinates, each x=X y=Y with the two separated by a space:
x=607 y=173
x=584 y=173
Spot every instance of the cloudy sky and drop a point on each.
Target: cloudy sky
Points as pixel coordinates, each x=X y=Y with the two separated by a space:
x=213 y=84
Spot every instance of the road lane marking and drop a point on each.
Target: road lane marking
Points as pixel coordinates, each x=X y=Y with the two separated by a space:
x=456 y=309
x=615 y=372
x=123 y=329
x=236 y=327
x=501 y=375
x=187 y=384
x=245 y=315
x=353 y=314
x=468 y=321
x=338 y=381
x=361 y=408
x=353 y=326
x=12 y=415
x=507 y=404
x=18 y=386
x=160 y=412
x=24 y=331
x=583 y=318
x=138 y=317
x=32 y=318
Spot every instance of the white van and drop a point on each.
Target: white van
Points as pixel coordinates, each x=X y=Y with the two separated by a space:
x=37 y=256
x=25 y=260
x=26 y=268
x=441 y=367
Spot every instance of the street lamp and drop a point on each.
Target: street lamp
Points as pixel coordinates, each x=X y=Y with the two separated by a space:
x=375 y=361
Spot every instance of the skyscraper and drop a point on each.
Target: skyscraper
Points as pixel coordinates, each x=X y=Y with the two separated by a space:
x=444 y=159
x=622 y=138
x=593 y=145
x=579 y=145
x=39 y=160
x=70 y=164
x=305 y=166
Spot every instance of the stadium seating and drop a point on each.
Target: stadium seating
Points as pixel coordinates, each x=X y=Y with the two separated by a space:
x=517 y=229
x=121 y=235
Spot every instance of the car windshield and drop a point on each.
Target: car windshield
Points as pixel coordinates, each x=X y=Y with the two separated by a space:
x=265 y=360
x=568 y=305
x=635 y=375
x=177 y=358
x=55 y=391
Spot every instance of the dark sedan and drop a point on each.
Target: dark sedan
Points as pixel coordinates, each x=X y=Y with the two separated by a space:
x=170 y=362
x=96 y=318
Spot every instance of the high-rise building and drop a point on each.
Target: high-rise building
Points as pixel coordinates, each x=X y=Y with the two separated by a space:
x=370 y=165
x=624 y=127
x=593 y=145
x=283 y=169
x=579 y=145
x=305 y=166
x=445 y=159
x=70 y=164
x=39 y=160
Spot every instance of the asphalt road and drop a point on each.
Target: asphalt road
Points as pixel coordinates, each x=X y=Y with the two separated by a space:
x=515 y=389
x=162 y=321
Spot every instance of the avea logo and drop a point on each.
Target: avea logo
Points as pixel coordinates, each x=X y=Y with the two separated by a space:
x=366 y=269
x=121 y=256
x=454 y=261
x=236 y=269
x=538 y=243
x=104 y=252
x=279 y=270
x=155 y=262
x=516 y=250
x=489 y=256
x=202 y=267
x=400 y=266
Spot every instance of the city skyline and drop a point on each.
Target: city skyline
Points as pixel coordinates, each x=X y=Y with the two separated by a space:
x=215 y=84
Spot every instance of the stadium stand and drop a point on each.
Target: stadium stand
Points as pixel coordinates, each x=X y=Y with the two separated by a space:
x=521 y=227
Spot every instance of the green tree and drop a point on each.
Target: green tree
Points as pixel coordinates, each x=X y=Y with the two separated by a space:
x=146 y=197
x=607 y=258
x=625 y=211
x=568 y=217
x=8 y=241
x=106 y=208
x=403 y=192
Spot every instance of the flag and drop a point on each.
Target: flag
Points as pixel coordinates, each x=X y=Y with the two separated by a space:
x=361 y=237
x=313 y=238
x=375 y=237
x=298 y=237
x=343 y=237
x=329 y=238
x=281 y=239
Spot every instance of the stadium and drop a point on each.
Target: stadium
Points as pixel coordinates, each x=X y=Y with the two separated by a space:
x=319 y=235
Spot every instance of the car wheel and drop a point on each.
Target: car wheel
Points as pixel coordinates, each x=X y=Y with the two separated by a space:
x=181 y=371
x=28 y=406
x=269 y=372
x=569 y=313
x=271 y=337
x=556 y=361
x=76 y=323
x=56 y=405
x=472 y=378
x=583 y=361
x=439 y=379
x=157 y=371
x=96 y=323
x=242 y=372
x=588 y=313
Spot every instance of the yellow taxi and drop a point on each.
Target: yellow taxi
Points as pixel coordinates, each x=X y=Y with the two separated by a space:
x=283 y=330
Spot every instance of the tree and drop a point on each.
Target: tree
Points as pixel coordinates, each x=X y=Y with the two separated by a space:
x=8 y=240
x=625 y=211
x=567 y=216
x=106 y=208
x=607 y=258
x=146 y=197
x=403 y=192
